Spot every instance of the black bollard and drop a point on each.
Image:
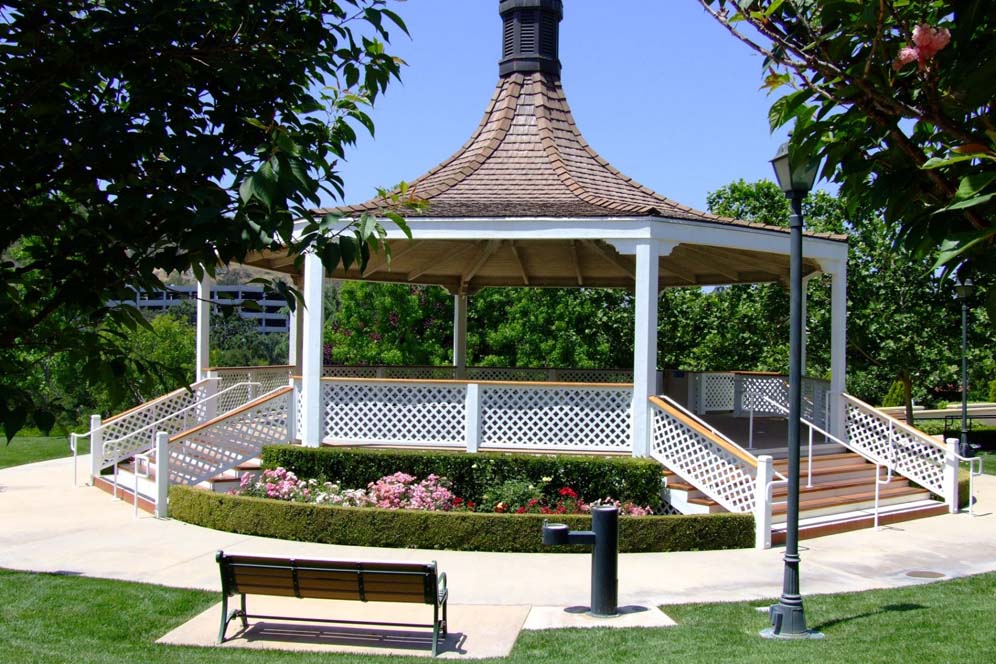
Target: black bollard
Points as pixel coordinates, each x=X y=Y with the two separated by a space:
x=604 y=539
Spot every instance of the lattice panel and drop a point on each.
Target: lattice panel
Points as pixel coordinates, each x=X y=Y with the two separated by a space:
x=506 y=374
x=755 y=391
x=717 y=390
x=225 y=444
x=814 y=401
x=419 y=373
x=229 y=377
x=915 y=456
x=133 y=432
x=270 y=379
x=594 y=376
x=393 y=413
x=719 y=474
x=568 y=418
x=236 y=396
x=332 y=371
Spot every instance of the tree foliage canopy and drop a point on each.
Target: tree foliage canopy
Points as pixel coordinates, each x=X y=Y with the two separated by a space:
x=143 y=137
x=897 y=98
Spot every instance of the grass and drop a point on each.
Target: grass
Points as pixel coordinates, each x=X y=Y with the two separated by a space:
x=48 y=618
x=988 y=462
x=30 y=449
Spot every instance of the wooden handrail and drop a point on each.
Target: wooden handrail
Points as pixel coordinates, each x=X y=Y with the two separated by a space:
x=263 y=367
x=736 y=451
x=238 y=411
x=168 y=395
x=896 y=423
x=455 y=381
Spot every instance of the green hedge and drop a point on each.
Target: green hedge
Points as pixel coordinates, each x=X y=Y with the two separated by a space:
x=980 y=434
x=622 y=478
x=455 y=531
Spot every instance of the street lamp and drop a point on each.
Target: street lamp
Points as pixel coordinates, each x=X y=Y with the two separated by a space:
x=788 y=619
x=964 y=290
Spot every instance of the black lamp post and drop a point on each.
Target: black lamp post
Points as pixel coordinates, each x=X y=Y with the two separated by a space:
x=964 y=290
x=788 y=620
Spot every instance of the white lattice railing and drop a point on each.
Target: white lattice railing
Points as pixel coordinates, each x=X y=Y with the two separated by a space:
x=124 y=426
x=230 y=439
x=563 y=417
x=481 y=373
x=269 y=377
x=714 y=464
x=713 y=391
x=499 y=415
x=907 y=451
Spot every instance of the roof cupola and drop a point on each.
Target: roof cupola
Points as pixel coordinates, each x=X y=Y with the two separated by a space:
x=530 y=36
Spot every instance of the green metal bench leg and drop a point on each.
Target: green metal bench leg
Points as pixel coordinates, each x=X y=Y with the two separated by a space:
x=224 y=618
x=435 y=629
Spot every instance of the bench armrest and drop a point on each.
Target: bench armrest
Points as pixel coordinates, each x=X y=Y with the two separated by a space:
x=441 y=589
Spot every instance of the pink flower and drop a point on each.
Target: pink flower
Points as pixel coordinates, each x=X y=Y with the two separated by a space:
x=927 y=42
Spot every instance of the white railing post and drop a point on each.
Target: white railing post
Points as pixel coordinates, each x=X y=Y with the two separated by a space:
x=292 y=411
x=162 y=474
x=96 y=447
x=951 y=475
x=472 y=417
x=738 y=395
x=762 y=502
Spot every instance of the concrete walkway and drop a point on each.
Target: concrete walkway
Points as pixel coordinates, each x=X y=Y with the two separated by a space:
x=50 y=525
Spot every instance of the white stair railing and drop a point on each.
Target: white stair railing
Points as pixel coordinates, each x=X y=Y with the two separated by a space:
x=230 y=439
x=715 y=465
x=114 y=441
x=885 y=440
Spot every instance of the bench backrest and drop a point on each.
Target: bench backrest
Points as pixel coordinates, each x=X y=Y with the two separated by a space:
x=329 y=579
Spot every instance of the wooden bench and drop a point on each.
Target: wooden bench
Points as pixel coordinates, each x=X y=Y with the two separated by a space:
x=417 y=583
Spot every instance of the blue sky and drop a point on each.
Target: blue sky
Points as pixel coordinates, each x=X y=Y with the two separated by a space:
x=656 y=86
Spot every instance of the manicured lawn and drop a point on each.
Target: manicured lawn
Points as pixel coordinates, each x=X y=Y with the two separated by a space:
x=46 y=618
x=28 y=450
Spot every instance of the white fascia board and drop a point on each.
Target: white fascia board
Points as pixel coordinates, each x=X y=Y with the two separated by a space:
x=620 y=231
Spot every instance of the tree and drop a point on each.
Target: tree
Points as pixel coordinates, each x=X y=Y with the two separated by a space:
x=897 y=99
x=392 y=324
x=142 y=138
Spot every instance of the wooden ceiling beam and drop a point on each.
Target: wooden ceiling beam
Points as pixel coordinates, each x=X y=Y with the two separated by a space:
x=613 y=258
x=436 y=261
x=384 y=260
x=482 y=257
x=577 y=262
x=717 y=268
x=522 y=265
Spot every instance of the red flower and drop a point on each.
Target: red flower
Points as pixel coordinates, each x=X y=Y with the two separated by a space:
x=568 y=492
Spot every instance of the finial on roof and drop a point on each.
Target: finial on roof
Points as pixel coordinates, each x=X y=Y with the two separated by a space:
x=530 y=36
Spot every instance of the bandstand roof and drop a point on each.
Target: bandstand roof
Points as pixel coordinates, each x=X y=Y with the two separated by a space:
x=527 y=202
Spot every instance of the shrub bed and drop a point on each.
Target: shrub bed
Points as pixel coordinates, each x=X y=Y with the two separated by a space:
x=457 y=531
x=983 y=435
x=472 y=475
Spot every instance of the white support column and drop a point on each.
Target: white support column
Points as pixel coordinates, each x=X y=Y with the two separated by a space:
x=644 y=343
x=294 y=336
x=204 y=287
x=310 y=426
x=838 y=346
x=460 y=336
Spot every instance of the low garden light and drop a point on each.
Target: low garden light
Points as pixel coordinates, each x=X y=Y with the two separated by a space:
x=788 y=619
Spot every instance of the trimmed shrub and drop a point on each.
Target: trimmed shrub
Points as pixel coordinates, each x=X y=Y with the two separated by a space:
x=983 y=435
x=896 y=396
x=992 y=390
x=455 y=531
x=472 y=475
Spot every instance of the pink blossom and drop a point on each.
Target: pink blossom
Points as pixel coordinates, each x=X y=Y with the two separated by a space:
x=928 y=41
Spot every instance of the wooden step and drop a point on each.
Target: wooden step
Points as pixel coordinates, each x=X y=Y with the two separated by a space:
x=835 y=487
x=851 y=499
x=860 y=522
x=124 y=493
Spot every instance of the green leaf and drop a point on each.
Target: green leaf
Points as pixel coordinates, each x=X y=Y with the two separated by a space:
x=957 y=245
x=255 y=123
x=347 y=251
x=13 y=421
x=971 y=185
x=939 y=162
x=44 y=420
x=971 y=202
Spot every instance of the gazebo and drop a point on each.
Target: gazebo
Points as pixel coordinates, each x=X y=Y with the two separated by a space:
x=526 y=202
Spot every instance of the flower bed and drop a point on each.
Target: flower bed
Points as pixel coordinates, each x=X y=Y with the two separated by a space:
x=403 y=491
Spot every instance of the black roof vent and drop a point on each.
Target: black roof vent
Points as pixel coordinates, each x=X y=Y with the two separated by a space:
x=530 y=35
